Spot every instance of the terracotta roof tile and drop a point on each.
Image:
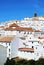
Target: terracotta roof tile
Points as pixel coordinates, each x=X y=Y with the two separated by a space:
x=19 y=28
x=14 y=25
x=26 y=49
x=23 y=38
x=9 y=28
x=37 y=31
x=6 y=38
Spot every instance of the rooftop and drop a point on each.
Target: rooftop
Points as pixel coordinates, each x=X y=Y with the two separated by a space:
x=26 y=49
x=6 y=38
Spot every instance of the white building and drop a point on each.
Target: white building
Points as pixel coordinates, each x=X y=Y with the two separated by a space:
x=27 y=38
x=6 y=48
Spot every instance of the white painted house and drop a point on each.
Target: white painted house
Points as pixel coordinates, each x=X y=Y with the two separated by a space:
x=24 y=38
x=30 y=41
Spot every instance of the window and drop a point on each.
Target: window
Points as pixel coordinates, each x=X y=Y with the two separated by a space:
x=9 y=55
x=38 y=41
x=6 y=43
x=0 y=34
x=36 y=47
x=23 y=43
x=28 y=33
x=19 y=31
x=42 y=33
x=24 y=51
x=24 y=32
x=32 y=42
x=32 y=46
x=43 y=46
x=9 y=44
x=9 y=50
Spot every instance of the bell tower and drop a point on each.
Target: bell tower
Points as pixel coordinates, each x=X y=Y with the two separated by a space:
x=35 y=14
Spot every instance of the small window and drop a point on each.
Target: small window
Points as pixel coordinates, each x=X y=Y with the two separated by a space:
x=9 y=55
x=28 y=33
x=36 y=47
x=24 y=43
x=24 y=51
x=32 y=42
x=9 y=50
x=6 y=43
x=43 y=46
x=24 y=32
x=19 y=31
x=32 y=46
x=38 y=41
x=0 y=34
x=9 y=44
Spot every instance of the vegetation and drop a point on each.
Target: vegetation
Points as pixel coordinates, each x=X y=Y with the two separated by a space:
x=9 y=62
x=40 y=62
x=24 y=62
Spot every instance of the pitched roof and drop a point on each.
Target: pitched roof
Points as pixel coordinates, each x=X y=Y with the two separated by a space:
x=14 y=25
x=37 y=31
x=23 y=38
x=20 y=29
x=24 y=28
x=9 y=28
x=6 y=38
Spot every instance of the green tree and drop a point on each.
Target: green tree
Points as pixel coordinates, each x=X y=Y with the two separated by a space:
x=40 y=62
x=31 y=62
x=9 y=62
x=22 y=62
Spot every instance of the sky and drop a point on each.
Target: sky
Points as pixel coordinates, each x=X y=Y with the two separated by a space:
x=18 y=9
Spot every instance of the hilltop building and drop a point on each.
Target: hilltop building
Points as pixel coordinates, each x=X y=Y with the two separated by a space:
x=23 y=38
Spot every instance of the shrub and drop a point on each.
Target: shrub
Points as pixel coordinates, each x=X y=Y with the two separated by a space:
x=24 y=62
x=31 y=62
x=40 y=62
x=9 y=62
